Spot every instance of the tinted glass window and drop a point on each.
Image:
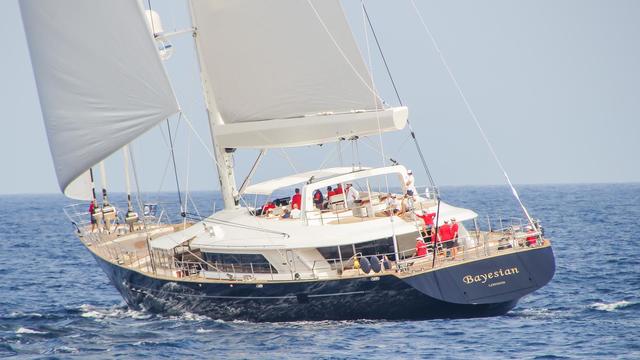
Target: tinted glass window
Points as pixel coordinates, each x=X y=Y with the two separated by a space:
x=242 y=263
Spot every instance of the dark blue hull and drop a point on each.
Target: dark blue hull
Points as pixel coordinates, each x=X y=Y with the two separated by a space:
x=444 y=293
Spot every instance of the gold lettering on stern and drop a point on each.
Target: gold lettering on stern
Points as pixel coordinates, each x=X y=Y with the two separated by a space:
x=483 y=278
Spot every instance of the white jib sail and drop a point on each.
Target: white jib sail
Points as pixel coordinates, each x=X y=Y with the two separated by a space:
x=278 y=63
x=81 y=188
x=100 y=81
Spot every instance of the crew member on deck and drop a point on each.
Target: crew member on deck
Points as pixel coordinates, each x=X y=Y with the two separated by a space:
x=444 y=233
x=296 y=199
x=269 y=206
x=352 y=195
x=421 y=247
x=392 y=205
x=295 y=211
x=454 y=237
x=411 y=182
x=92 y=215
x=338 y=189
x=330 y=193
x=426 y=218
x=318 y=199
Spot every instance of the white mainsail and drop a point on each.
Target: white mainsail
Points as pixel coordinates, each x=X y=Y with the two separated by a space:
x=99 y=77
x=285 y=73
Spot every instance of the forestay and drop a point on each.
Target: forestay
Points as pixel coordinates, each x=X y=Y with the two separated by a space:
x=100 y=81
x=285 y=73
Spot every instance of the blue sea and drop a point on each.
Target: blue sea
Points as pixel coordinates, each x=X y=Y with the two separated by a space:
x=56 y=303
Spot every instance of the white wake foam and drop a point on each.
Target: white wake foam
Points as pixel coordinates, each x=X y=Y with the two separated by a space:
x=24 y=330
x=115 y=312
x=612 y=306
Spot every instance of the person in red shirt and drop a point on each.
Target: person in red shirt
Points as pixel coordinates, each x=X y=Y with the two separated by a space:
x=266 y=207
x=338 y=189
x=454 y=237
x=444 y=233
x=296 y=199
x=532 y=237
x=421 y=248
x=92 y=209
x=426 y=218
x=330 y=193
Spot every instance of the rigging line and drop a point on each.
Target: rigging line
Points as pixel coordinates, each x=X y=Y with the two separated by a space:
x=135 y=177
x=200 y=139
x=164 y=140
x=382 y=154
x=470 y=110
x=395 y=88
x=175 y=169
x=289 y=160
x=153 y=28
x=329 y=157
x=187 y=175
x=340 y=49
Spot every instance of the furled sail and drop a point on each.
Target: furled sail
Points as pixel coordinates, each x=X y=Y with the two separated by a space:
x=100 y=81
x=285 y=66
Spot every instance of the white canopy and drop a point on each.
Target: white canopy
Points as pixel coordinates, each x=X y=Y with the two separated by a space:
x=281 y=65
x=100 y=81
x=448 y=212
x=268 y=187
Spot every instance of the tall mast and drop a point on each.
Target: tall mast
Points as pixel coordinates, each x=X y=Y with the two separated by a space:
x=125 y=154
x=223 y=157
x=103 y=177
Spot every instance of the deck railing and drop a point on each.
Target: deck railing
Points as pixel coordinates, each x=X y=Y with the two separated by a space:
x=504 y=235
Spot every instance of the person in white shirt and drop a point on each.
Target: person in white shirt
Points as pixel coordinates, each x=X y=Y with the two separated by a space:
x=411 y=182
x=295 y=212
x=352 y=195
x=392 y=205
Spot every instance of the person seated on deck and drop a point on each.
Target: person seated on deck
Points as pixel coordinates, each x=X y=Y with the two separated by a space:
x=421 y=247
x=268 y=207
x=295 y=211
x=296 y=199
x=391 y=205
x=444 y=234
x=286 y=214
x=454 y=238
x=406 y=206
x=330 y=193
x=352 y=196
x=318 y=199
x=338 y=189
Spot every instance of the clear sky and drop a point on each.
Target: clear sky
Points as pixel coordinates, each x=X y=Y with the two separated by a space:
x=555 y=85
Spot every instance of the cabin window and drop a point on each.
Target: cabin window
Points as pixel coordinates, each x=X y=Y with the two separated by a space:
x=239 y=263
x=376 y=247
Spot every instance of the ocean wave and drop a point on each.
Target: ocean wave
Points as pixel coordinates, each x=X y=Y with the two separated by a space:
x=533 y=313
x=116 y=312
x=24 y=330
x=188 y=316
x=613 y=306
x=20 y=314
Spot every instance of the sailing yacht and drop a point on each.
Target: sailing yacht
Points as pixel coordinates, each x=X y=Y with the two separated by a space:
x=275 y=74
